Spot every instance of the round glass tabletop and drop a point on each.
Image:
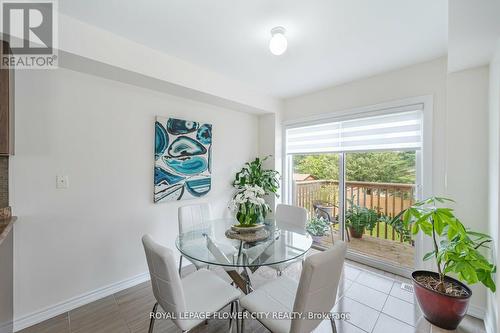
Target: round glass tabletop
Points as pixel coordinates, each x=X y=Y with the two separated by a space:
x=207 y=242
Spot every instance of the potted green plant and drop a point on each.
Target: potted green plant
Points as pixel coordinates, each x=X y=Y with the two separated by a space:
x=252 y=184
x=317 y=227
x=456 y=250
x=358 y=219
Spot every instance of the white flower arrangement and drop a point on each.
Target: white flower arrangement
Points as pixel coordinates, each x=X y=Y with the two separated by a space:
x=249 y=202
x=248 y=194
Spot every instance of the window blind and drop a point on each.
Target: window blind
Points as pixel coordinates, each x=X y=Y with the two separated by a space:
x=394 y=131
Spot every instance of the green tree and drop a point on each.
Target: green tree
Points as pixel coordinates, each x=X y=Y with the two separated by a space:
x=386 y=167
x=321 y=166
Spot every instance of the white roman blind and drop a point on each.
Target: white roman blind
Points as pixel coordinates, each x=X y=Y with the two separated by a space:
x=392 y=131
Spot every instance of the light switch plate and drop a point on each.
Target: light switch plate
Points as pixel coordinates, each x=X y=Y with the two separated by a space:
x=62 y=182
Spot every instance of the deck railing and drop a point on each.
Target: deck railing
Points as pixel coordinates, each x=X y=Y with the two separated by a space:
x=387 y=198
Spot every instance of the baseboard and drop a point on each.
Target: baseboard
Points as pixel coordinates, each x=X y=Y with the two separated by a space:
x=476 y=311
x=59 y=308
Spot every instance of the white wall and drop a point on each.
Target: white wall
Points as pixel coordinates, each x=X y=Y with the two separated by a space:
x=101 y=134
x=467 y=152
x=460 y=118
x=493 y=319
x=270 y=145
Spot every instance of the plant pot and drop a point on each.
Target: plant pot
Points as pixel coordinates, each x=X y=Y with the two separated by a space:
x=442 y=310
x=247 y=229
x=249 y=219
x=316 y=239
x=355 y=234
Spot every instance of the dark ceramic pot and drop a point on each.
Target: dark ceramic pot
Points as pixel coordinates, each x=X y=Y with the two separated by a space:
x=442 y=310
x=355 y=234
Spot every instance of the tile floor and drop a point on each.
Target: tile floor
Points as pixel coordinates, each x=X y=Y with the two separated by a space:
x=374 y=299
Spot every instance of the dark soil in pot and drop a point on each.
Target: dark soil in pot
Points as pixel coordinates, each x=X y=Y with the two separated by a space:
x=443 y=309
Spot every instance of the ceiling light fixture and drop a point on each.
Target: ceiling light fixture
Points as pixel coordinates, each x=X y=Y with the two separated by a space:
x=278 y=42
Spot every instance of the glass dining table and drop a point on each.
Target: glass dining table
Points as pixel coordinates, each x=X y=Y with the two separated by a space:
x=208 y=243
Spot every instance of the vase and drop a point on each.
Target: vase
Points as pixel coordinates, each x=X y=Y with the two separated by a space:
x=317 y=239
x=440 y=309
x=356 y=234
x=249 y=214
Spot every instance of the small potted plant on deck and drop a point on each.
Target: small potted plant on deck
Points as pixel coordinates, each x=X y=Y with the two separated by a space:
x=317 y=227
x=358 y=219
x=456 y=249
x=252 y=184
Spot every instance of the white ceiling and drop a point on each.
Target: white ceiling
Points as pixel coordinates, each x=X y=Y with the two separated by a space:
x=329 y=41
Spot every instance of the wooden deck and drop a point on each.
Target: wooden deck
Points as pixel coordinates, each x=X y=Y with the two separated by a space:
x=393 y=252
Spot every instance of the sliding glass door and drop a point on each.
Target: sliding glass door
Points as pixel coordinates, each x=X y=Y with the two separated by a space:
x=353 y=176
x=317 y=189
x=379 y=185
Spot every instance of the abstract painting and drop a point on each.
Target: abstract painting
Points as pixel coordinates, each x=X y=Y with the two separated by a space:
x=183 y=152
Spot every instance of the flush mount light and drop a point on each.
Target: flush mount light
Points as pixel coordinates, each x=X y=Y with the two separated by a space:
x=278 y=42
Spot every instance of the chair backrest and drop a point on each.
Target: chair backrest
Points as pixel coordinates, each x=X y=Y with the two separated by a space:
x=322 y=213
x=193 y=215
x=165 y=280
x=318 y=285
x=288 y=215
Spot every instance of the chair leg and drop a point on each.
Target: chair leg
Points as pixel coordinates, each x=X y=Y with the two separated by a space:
x=231 y=317
x=180 y=265
x=152 y=322
x=242 y=328
x=237 y=312
x=334 y=327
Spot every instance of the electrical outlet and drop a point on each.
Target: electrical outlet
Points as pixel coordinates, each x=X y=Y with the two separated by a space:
x=62 y=182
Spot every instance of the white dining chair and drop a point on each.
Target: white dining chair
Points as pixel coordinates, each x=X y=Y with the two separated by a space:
x=200 y=292
x=315 y=293
x=226 y=264
x=292 y=218
x=189 y=218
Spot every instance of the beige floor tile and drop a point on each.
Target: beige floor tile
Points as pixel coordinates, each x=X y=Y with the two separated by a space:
x=161 y=325
x=99 y=316
x=133 y=289
x=136 y=305
x=468 y=325
x=59 y=324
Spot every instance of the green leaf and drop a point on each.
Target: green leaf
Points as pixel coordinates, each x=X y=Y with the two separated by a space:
x=478 y=234
x=429 y=255
x=457 y=252
x=414 y=229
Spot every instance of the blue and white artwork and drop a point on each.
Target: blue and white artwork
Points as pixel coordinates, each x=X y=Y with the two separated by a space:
x=182 y=159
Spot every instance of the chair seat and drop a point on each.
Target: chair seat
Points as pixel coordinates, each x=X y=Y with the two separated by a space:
x=275 y=296
x=205 y=291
